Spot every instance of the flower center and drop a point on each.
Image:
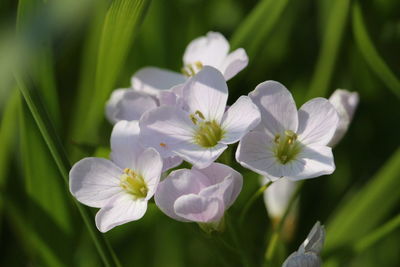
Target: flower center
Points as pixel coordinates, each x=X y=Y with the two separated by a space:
x=287 y=147
x=208 y=133
x=133 y=184
x=191 y=69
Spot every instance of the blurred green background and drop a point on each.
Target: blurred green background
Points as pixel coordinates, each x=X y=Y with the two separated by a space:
x=60 y=60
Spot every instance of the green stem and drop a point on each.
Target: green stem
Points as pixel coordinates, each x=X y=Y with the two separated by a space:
x=235 y=238
x=271 y=248
x=251 y=201
x=57 y=151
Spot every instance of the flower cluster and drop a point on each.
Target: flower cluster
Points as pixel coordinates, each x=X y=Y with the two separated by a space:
x=166 y=118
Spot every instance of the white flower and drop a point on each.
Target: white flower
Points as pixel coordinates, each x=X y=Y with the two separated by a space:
x=308 y=253
x=210 y=50
x=200 y=132
x=277 y=196
x=288 y=142
x=120 y=187
x=128 y=104
x=345 y=103
x=199 y=195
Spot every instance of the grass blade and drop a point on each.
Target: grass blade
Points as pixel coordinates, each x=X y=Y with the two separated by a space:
x=353 y=218
x=120 y=27
x=330 y=48
x=369 y=52
x=258 y=25
x=57 y=151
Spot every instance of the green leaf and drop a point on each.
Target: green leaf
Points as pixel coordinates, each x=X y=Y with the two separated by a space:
x=366 y=209
x=119 y=29
x=59 y=156
x=369 y=52
x=332 y=38
x=258 y=25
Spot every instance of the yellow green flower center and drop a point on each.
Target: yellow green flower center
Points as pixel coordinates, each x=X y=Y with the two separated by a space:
x=286 y=147
x=208 y=133
x=191 y=69
x=133 y=184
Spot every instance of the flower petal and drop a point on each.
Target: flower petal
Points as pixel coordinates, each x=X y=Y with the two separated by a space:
x=171 y=162
x=207 y=92
x=255 y=153
x=277 y=107
x=315 y=239
x=313 y=161
x=149 y=164
x=218 y=174
x=345 y=103
x=111 y=105
x=125 y=144
x=209 y=50
x=277 y=196
x=166 y=128
x=240 y=118
x=94 y=181
x=198 y=156
x=198 y=208
x=151 y=80
x=178 y=183
x=297 y=259
x=119 y=210
x=318 y=121
x=234 y=63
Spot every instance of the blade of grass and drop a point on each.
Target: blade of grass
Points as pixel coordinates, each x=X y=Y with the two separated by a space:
x=369 y=52
x=332 y=38
x=57 y=151
x=120 y=26
x=258 y=25
x=365 y=209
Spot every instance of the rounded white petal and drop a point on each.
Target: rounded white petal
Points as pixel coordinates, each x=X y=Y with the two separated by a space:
x=166 y=129
x=198 y=208
x=207 y=92
x=198 y=156
x=209 y=50
x=239 y=119
x=313 y=161
x=297 y=259
x=277 y=107
x=234 y=63
x=345 y=103
x=171 y=162
x=94 y=181
x=178 y=183
x=119 y=210
x=315 y=239
x=277 y=196
x=318 y=121
x=255 y=153
x=112 y=103
x=151 y=80
x=125 y=144
x=149 y=164
x=218 y=174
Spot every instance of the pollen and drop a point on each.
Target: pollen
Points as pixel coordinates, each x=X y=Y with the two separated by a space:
x=191 y=69
x=286 y=147
x=163 y=145
x=133 y=184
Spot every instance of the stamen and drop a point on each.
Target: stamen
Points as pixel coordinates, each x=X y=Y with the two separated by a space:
x=208 y=134
x=133 y=184
x=287 y=147
x=191 y=69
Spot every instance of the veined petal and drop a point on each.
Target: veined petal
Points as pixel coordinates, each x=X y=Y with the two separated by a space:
x=240 y=118
x=277 y=107
x=149 y=164
x=151 y=80
x=171 y=162
x=209 y=50
x=255 y=153
x=198 y=156
x=219 y=173
x=198 y=208
x=277 y=196
x=125 y=144
x=207 y=92
x=178 y=183
x=297 y=259
x=166 y=129
x=119 y=210
x=313 y=161
x=318 y=121
x=234 y=63
x=128 y=105
x=345 y=103
x=94 y=181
